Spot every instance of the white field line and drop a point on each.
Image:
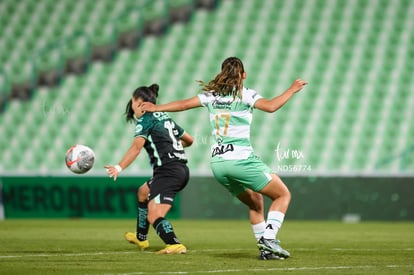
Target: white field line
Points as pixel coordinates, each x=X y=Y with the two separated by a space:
x=268 y=269
x=189 y=252
x=370 y=249
x=364 y=267
x=353 y=249
x=70 y=254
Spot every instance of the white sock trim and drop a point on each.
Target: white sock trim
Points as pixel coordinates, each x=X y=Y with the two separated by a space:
x=273 y=224
x=258 y=229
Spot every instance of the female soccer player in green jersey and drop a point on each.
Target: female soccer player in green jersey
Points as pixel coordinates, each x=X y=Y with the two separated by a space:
x=233 y=161
x=163 y=139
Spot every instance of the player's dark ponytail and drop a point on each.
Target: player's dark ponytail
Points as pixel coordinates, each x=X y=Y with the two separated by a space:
x=129 y=112
x=154 y=88
x=147 y=94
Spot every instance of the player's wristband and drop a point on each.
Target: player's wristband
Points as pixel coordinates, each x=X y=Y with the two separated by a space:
x=118 y=168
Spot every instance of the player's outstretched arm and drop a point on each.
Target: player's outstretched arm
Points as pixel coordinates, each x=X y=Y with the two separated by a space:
x=186 y=139
x=129 y=157
x=277 y=102
x=174 y=106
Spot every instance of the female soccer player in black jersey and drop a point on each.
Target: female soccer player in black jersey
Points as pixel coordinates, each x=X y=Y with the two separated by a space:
x=163 y=139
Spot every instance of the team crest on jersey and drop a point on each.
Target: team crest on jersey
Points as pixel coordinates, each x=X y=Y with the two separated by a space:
x=138 y=128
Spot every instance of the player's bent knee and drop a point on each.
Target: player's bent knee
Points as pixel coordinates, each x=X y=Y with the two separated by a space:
x=252 y=199
x=288 y=196
x=143 y=192
x=258 y=202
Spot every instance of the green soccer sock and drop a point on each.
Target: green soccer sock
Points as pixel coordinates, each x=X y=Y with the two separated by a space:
x=165 y=231
x=142 y=222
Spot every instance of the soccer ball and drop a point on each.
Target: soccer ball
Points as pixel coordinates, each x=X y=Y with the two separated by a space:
x=80 y=158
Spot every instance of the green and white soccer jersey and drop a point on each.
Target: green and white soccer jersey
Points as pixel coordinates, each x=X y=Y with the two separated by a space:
x=230 y=120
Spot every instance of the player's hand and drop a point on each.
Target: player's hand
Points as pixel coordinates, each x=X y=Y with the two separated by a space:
x=111 y=171
x=138 y=110
x=297 y=85
x=148 y=107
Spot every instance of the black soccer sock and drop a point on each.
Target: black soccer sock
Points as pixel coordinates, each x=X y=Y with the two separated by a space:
x=165 y=231
x=142 y=222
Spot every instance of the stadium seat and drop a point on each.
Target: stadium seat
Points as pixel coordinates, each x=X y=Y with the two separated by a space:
x=352 y=116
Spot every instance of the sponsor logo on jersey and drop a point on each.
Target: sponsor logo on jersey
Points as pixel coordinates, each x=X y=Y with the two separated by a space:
x=177 y=156
x=168 y=199
x=222 y=149
x=217 y=104
x=160 y=115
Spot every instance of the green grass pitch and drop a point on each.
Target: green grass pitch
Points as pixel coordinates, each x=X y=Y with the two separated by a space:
x=50 y=246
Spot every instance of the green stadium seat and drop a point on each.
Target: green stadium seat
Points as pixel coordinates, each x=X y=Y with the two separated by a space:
x=348 y=119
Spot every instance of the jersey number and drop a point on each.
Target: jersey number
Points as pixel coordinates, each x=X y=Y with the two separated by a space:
x=226 y=124
x=169 y=125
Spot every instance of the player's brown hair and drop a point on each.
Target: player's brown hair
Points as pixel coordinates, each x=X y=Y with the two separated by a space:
x=229 y=81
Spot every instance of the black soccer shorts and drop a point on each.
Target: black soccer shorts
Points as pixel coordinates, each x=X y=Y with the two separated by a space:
x=167 y=181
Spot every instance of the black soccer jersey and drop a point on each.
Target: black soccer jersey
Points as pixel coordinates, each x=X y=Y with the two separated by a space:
x=162 y=136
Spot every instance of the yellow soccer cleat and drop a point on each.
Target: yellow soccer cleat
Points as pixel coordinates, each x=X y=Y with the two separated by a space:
x=131 y=237
x=173 y=249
